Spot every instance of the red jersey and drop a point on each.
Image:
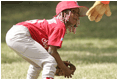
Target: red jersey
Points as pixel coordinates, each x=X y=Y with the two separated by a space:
x=46 y=32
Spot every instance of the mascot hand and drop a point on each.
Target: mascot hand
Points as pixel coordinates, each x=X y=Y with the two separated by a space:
x=97 y=10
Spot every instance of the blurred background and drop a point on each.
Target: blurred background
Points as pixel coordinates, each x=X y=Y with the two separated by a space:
x=93 y=49
x=13 y=12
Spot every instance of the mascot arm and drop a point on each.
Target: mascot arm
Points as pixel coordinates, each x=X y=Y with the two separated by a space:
x=98 y=10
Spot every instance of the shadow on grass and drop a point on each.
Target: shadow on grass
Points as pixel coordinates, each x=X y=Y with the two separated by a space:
x=103 y=55
x=7 y=59
x=90 y=59
x=95 y=54
x=90 y=49
x=89 y=55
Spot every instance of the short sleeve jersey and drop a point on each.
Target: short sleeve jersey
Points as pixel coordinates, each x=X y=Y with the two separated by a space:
x=46 y=32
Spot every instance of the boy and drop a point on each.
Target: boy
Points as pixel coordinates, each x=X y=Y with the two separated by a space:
x=37 y=41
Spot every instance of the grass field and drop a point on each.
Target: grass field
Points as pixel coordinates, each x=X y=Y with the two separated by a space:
x=93 y=50
x=93 y=58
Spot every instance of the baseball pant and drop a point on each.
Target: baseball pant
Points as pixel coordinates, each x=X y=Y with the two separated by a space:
x=19 y=39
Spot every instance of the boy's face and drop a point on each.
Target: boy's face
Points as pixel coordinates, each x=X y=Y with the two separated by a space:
x=74 y=16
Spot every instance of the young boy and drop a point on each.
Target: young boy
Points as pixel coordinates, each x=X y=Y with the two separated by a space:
x=37 y=41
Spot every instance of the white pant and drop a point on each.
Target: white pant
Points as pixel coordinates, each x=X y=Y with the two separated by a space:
x=19 y=39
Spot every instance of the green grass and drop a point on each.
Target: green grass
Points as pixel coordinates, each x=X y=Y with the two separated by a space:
x=28 y=10
x=93 y=58
x=93 y=50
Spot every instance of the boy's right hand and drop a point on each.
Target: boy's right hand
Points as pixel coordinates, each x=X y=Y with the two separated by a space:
x=68 y=73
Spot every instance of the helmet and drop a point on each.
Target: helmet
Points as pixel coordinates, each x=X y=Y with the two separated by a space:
x=63 y=5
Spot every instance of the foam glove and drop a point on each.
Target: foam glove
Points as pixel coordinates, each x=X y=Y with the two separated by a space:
x=98 y=10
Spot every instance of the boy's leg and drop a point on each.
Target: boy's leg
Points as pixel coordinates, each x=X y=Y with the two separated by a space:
x=33 y=72
x=49 y=69
x=31 y=51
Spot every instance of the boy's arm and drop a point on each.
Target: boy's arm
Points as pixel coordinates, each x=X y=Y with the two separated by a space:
x=53 y=51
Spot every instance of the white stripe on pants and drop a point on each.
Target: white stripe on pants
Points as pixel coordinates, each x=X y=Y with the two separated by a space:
x=18 y=38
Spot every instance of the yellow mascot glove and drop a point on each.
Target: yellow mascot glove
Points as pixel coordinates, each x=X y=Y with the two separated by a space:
x=97 y=10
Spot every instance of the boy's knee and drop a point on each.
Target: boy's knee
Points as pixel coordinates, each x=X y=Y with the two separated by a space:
x=49 y=69
x=33 y=72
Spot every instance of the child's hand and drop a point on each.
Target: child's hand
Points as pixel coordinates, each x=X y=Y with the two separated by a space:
x=68 y=73
x=97 y=11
